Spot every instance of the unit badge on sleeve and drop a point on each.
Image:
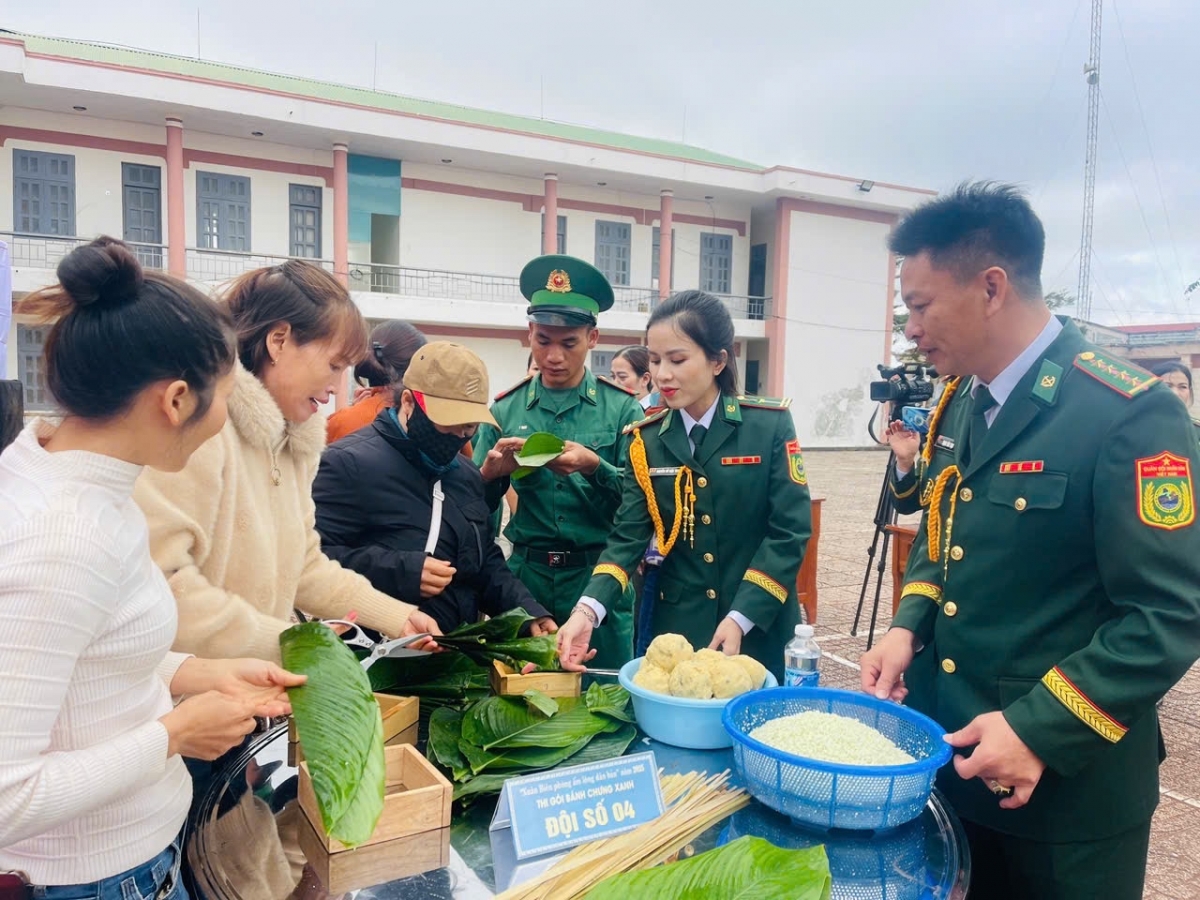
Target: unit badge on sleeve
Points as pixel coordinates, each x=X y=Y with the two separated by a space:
x=796 y=462
x=1166 y=499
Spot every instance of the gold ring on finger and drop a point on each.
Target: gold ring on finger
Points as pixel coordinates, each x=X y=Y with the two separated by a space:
x=998 y=789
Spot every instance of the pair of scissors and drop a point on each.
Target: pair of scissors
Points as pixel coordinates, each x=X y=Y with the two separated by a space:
x=396 y=649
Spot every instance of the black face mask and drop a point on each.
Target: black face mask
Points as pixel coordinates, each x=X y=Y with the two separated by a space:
x=436 y=446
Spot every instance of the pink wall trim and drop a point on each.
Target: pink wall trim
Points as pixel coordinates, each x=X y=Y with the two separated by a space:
x=536 y=202
x=550 y=216
x=176 y=220
x=116 y=145
x=777 y=324
x=237 y=161
x=840 y=212
x=853 y=180
x=528 y=202
x=90 y=141
x=666 y=221
x=518 y=332
x=341 y=213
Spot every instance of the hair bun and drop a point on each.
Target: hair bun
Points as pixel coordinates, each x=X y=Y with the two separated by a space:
x=104 y=272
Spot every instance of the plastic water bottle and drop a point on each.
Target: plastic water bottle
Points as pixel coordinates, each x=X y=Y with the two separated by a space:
x=801 y=658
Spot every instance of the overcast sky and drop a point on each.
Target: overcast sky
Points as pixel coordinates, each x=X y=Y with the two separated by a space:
x=925 y=93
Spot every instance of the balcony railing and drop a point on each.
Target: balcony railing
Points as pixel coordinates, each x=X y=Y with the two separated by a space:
x=45 y=251
x=442 y=285
x=205 y=264
x=215 y=266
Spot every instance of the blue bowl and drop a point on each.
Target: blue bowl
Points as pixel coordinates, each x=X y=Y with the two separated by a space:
x=834 y=795
x=693 y=724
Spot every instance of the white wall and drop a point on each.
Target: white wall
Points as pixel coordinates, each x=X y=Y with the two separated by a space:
x=838 y=280
x=466 y=234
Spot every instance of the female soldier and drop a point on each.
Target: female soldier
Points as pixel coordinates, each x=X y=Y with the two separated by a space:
x=719 y=482
x=396 y=501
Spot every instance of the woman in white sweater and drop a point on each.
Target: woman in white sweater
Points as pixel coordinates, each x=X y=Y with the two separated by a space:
x=235 y=532
x=93 y=789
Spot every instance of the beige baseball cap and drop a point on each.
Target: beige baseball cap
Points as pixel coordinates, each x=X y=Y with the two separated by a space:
x=452 y=383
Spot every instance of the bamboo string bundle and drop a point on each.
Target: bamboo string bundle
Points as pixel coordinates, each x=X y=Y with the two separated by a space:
x=693 y=804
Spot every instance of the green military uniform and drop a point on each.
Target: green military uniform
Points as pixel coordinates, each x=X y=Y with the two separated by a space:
x=1064 y=589
x=752 y=519
x=562 y=522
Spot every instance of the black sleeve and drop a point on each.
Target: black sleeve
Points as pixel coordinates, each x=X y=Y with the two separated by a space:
x=340 y=495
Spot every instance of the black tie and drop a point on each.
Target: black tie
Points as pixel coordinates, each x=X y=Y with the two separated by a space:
x=979 y=426
x=697 y=435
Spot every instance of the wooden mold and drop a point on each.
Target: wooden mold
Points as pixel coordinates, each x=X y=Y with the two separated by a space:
x=416 y=799
x=373 y=864
x=507 y=682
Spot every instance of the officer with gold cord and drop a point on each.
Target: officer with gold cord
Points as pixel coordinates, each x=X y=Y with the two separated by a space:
x=1052 y=595
x=719 y=481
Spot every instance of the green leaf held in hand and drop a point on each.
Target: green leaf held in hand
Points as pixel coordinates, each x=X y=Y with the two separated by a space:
x=340 y=730
x=746 y=869
x=539 y=448
x=499 y=638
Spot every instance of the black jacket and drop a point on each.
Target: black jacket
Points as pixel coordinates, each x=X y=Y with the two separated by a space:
x=374 y=503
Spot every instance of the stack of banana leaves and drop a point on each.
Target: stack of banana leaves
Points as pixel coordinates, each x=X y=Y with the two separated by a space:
x=498 y=738
x=481 y=740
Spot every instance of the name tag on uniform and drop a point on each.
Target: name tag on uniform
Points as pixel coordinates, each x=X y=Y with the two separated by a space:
x=1014 y=468
x=664 y=470
x=944 y=443
x=740 y=460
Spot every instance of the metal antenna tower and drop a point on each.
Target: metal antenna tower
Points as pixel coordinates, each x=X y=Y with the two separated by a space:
x=1092 y=73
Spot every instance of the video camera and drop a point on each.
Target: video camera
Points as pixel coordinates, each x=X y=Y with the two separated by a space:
x=907 y=384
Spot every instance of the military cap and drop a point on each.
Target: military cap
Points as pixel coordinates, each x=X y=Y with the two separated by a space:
x=564 y=291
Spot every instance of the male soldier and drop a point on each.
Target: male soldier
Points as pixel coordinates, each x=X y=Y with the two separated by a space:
x=1053 y=593
x=565 y=510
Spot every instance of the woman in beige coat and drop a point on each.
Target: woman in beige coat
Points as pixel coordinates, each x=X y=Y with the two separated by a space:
x=234 y=531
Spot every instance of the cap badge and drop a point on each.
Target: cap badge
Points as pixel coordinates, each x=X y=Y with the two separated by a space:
x=558 y=282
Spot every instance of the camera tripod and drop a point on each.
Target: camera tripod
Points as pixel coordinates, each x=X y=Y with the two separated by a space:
x=885 y=515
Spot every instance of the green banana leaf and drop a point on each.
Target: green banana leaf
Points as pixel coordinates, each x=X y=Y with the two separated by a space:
x=746 y=869
x=539 y=448
x=507 y=722
x=499 y=638
x=439 y=676
x=445 y=731
x=340 y=729
x=608 y=700
x=530 y=759
x=602 y=746
x=544 y=704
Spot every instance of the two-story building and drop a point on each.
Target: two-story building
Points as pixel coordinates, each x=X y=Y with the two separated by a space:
x=429 y=210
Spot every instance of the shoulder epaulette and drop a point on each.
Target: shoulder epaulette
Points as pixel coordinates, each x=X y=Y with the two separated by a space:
x=520 y=384
x=613 y=384
x=653 y=417
x=1123 y=377
x=766 y=402
x=1196 y=421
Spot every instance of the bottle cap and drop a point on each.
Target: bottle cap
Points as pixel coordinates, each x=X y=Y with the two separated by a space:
x=804 y=631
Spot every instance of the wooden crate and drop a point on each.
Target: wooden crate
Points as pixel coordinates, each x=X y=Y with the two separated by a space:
x=373 y=864
x=417 y=799
x=400 y=715
x=507 y=682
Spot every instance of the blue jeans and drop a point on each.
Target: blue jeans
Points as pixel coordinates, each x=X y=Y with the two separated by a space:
x=156 y=879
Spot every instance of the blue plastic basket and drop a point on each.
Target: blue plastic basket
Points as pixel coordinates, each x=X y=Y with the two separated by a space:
x=833 y=795
x=678 y=721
